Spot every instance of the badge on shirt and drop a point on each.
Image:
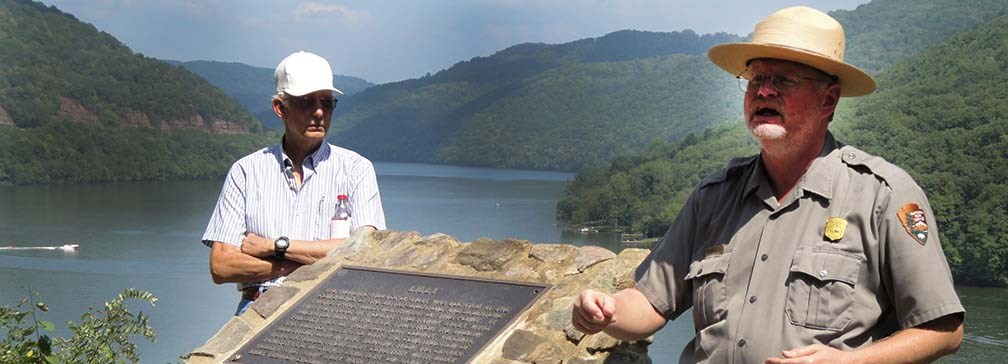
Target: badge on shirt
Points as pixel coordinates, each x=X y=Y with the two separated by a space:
x=835 y=228
x=912 y=217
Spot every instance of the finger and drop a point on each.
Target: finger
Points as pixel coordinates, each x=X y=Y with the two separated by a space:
x=584 y=325
x=607 y=306
x=590 y=307
x=800 y=352
x=586 y=315
x=782 y=361
x=586 y=328
x=799 y=360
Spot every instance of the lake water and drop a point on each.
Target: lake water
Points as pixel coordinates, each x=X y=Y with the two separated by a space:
x=146 y=235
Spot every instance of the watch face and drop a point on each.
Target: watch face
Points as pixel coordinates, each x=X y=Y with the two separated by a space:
x=281 y=243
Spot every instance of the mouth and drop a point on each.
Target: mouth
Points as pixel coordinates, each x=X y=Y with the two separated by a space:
x=766 y=112
x=766 y=115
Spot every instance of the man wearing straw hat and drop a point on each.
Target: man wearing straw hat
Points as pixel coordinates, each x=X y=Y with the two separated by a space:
x=809 y=252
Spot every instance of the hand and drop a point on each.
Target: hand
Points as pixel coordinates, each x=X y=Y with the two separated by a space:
x=257 y=246
x=813 y=354
x=593 y=311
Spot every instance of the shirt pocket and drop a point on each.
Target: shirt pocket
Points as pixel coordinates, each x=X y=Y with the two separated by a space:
x=320 y=214
x=821 y=289
x=709 y=289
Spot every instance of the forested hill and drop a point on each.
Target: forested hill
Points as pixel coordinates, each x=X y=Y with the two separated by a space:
x=58 y=68
x=545 y=106
x=885 y=31
x=253 y=87
x=939 y=113
x=943 y=117
x=76 y=105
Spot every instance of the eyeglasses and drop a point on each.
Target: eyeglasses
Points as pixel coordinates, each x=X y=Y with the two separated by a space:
x=749 y=81
x=308 y=102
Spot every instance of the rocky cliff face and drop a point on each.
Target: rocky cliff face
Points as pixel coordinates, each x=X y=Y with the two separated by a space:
x=72 y=109
x=541 y=334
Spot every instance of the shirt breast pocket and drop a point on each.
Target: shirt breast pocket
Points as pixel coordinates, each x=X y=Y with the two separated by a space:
x=821 y=289
x=710 y=294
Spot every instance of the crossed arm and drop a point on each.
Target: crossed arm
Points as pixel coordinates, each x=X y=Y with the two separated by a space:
x=254 y=261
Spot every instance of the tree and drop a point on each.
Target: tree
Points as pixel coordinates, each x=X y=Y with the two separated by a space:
x=102 y=336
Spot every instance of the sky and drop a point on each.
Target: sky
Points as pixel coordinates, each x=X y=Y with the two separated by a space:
x=385 y=41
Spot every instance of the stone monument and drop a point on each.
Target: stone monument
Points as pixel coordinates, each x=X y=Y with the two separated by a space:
x=541 y=280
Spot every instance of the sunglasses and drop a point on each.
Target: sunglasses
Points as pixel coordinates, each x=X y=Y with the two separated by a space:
x=308 y=102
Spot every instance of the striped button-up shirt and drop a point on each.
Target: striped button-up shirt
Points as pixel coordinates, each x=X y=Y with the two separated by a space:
x=261 y=196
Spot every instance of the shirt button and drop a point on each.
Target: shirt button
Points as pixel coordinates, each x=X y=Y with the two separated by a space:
x=764 y=257
x=752 y=299
x=741 y=342
x=823 y=273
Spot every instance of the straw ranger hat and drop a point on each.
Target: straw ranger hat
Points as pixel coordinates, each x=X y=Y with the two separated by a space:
x=798 y=34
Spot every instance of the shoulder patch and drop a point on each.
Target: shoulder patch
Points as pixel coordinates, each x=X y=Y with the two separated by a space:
x=735 y=166
x=914 y=221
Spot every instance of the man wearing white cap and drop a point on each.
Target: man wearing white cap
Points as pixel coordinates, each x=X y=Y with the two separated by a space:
x=811 y=251
x=273 y=212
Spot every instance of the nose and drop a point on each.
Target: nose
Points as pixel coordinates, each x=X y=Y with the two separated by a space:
x=766 y=88
x=318 y=108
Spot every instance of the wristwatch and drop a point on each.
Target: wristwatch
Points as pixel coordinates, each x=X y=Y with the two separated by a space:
x=280 y=246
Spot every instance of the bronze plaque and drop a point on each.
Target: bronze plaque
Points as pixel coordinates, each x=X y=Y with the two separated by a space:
x=367 y=315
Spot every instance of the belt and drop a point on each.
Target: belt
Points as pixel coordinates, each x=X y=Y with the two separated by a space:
x=252 y=293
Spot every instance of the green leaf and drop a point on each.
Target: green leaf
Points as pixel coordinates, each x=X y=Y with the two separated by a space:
x=45 y=345
x=46 y=325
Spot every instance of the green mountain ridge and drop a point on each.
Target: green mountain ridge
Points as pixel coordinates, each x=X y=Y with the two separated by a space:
x=58 y=68
x=938 y=113
x=511 y=109
x=253 y=87
x=544 y=106
x=76 y=105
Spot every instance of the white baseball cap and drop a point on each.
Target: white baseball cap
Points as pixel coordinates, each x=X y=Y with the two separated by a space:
x=302 y=73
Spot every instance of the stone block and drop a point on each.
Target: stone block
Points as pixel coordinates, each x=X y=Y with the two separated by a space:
x=588 y=256
x=486 y=255
x=553 y=252
x=526 y=346
x=395 y=240
x=312 y=271
x=272 y=299
x=227 y=339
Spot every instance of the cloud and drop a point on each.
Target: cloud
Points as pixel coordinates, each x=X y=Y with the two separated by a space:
x=312 y=8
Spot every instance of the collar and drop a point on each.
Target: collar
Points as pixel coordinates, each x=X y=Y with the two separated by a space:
x=311 y=161
x=818 y=179
x=824 y=170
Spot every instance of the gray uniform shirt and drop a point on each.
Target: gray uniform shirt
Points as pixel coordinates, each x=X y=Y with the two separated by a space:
x=763 y=276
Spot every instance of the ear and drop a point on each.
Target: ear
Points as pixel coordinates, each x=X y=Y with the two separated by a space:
x=831 y=97
x=278 y=108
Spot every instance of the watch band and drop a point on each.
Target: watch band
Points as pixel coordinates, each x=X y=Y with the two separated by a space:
x=280 y=246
